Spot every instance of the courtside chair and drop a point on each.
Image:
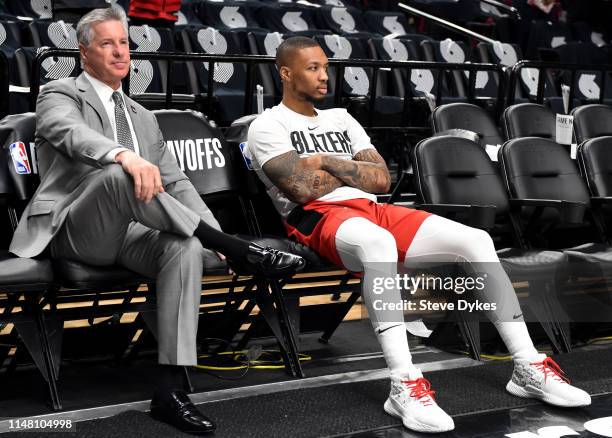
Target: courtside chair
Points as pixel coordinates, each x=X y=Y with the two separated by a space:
x=268 y=224
x=467 y=117
x=456 y=178
x=189 y=134
x=541 y=173
x=74 y=281
x=592 y=121
x=24 y=282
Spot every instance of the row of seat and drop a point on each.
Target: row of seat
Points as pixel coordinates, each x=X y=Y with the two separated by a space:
x=391 y=87
x=234 y=34
x=554 y=211
x=54 y=283
x=521 y=120
x=62 y=280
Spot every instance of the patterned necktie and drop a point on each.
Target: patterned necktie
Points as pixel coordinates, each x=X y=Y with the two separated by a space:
x=124 y=136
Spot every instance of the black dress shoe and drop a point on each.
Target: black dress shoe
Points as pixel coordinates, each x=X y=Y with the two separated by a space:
x=269 y=262
x=178 y=411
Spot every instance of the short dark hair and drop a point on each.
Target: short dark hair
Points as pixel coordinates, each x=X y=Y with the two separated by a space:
x=290 y=45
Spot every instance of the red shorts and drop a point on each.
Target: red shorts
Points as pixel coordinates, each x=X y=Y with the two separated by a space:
x=315 y=224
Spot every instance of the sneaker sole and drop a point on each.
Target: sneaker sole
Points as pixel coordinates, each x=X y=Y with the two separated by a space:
x=411 y=423
x=527 y=392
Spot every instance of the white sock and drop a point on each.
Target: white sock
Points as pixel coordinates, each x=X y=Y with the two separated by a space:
x=394 y=343
x=517 y=340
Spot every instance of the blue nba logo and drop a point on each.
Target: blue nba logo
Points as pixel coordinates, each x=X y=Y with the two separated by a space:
x=20 y=158
x=247 y=159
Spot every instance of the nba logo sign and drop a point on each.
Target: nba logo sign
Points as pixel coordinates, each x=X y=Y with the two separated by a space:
x=246 y=155
x=20 y=158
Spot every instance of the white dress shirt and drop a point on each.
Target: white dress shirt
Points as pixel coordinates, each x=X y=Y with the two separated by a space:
x=105 y=93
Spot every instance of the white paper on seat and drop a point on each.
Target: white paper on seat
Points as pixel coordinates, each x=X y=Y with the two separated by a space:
x=492 y=150
x=563 y=129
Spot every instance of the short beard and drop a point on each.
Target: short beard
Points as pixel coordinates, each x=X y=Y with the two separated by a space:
x=313 y=100
x=307 y=97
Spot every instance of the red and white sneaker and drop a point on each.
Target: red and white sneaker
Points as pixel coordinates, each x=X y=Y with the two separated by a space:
x=413 y=402
x=545 y=381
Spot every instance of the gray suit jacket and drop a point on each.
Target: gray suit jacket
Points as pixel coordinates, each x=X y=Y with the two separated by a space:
x=73 y=137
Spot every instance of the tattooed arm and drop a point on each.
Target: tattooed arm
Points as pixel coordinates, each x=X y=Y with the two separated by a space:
x=366 y=171
x=301 y=179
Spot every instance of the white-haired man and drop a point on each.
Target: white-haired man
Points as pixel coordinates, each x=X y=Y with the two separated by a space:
x=111 y=193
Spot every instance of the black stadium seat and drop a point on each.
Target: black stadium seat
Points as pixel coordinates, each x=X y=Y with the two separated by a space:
x=527 y=86
x=67 y=273
x=54 y=34
x=266 y=43
x=356 y=79
x=396 y=49
x=385 y=23
x=145 y=75
x=148 y=77
x=48 y=34
x=451 y=170
x=528 y=120
x=540 y=170
x=203 y=153
x=23 y=278
x=506 y=55
x=22 y=282
x=595 y=160
x=467 y=117
x=343 y=21
x=36 y=9
x=228 y=15
x=10 y=37
x=186 y=16
x=587 y=83
x=270 y=226
x=286 y=17
x=591 y=121
x=544 y=36
x=51 y=68
x=453 y=52
x=228 y=78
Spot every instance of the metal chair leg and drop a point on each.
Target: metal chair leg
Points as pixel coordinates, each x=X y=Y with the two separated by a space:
x=286 y=330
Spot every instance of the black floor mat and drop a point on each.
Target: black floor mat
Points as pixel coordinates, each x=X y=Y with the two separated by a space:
x=342 y=408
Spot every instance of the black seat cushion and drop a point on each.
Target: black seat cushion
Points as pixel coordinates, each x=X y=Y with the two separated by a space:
x=591 y=252
x=539 y=168
x=590 y=260
x=213 y=265
x=74 y=274
x=526 y=265
x=18 y=274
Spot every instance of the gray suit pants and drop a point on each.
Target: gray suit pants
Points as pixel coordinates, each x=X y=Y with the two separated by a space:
x=107 y=225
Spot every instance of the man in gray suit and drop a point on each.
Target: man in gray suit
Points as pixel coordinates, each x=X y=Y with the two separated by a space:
x=112 y=193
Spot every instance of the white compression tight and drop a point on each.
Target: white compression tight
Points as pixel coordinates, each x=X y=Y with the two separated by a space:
x=365 y=247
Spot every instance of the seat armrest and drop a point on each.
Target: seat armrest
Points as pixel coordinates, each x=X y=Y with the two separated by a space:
x=601 y=200
x=570 y=211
